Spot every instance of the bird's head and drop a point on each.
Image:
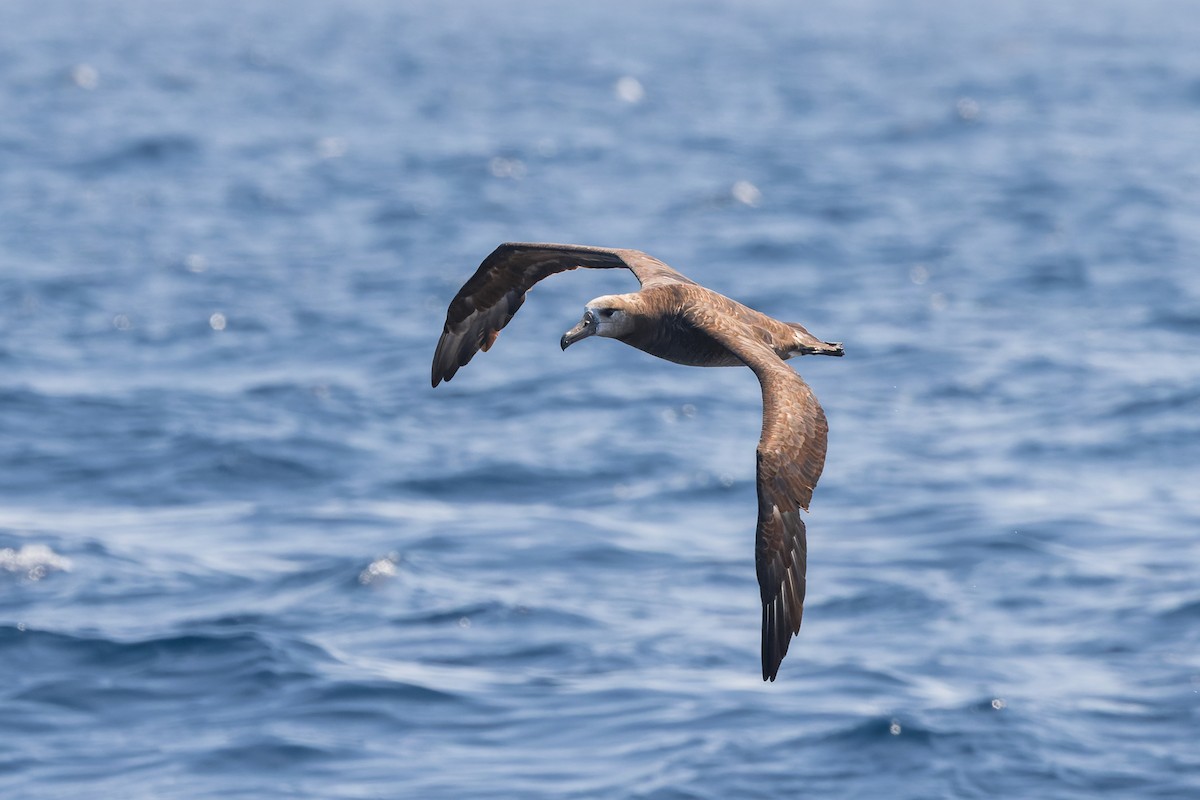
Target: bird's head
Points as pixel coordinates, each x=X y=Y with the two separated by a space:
x=610 y=316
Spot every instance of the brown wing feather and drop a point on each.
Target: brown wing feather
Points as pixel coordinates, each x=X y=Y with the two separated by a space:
x=486 y=302
x=791 y=455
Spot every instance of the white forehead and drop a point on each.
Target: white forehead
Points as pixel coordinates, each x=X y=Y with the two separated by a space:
x=604 y=301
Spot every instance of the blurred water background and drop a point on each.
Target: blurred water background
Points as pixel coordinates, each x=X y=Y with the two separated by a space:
x=246 y=551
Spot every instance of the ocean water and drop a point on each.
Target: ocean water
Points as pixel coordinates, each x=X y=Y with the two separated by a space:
x=247 y=552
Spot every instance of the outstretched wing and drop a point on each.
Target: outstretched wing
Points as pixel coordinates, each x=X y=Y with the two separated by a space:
x=791 y=455
x=492 y=296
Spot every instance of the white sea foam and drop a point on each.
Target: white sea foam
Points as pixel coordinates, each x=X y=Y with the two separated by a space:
x=34 y=561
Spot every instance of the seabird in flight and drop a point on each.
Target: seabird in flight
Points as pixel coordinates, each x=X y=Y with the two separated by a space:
x=679 y=320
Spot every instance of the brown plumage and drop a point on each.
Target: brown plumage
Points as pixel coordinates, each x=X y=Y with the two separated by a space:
x=678 y=320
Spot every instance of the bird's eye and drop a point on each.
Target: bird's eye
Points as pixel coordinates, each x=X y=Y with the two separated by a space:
x=606 y=312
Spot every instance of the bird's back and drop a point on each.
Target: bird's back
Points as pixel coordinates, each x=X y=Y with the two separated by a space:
x=664 y=332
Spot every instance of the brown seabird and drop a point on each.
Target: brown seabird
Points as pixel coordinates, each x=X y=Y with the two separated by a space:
x=677 y=319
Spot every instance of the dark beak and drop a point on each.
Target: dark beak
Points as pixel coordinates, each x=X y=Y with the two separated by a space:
x=584 y=329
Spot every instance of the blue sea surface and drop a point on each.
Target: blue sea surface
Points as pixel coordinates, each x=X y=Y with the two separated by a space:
x=247 y=552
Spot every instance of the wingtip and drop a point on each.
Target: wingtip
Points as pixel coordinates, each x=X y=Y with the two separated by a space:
x=774 y=645
x=771 y=662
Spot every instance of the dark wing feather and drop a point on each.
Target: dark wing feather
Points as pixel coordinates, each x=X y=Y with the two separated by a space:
x=496 y=291
x=791 y=455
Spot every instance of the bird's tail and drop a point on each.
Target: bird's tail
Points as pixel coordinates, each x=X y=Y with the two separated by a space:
x=809 y=345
